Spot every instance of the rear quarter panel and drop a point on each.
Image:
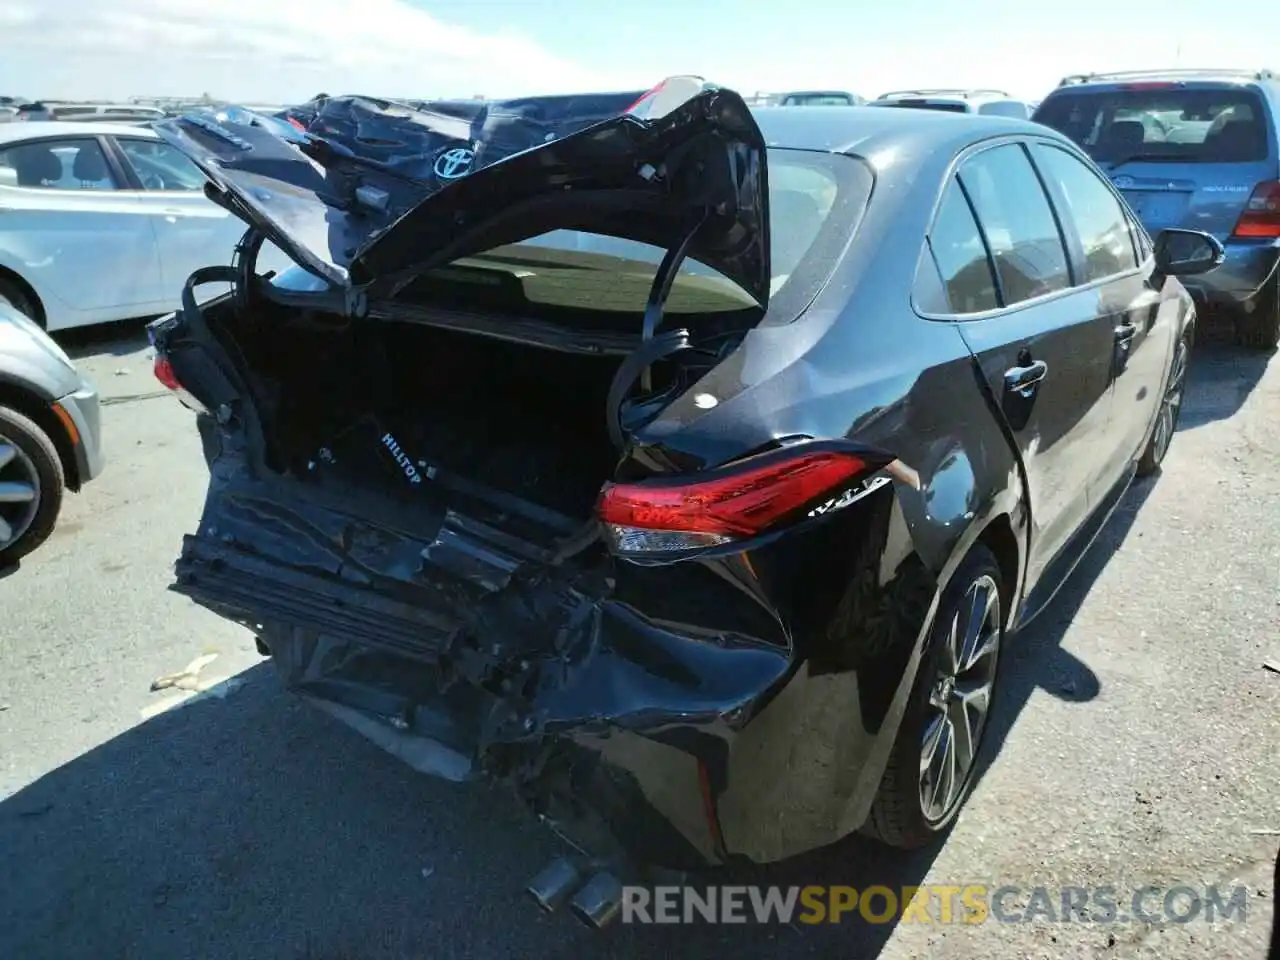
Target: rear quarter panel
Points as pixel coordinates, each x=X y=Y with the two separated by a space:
x=855 y=601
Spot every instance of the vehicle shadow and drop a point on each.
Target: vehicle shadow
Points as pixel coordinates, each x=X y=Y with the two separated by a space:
x=1221 y=377
x=121 y=338
x=250 y=825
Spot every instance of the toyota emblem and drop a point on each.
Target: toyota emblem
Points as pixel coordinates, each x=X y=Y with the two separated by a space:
x=454 y=163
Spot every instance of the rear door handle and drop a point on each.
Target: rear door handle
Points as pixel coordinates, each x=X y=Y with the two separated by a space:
x=1125 y=333
x=1024 y=380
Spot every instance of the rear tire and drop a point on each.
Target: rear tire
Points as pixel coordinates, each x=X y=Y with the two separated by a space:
x=14 y=296
x=908 y=811
x=28 y=460
x=1170 y=410
x=1260 y=330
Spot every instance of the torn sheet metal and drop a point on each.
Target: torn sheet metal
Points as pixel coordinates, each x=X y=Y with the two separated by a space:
x=374 y=191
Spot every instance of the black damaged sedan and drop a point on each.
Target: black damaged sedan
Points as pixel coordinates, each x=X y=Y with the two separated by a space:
x=684 y=468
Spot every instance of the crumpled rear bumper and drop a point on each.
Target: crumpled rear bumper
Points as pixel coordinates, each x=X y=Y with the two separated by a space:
x=610 y=725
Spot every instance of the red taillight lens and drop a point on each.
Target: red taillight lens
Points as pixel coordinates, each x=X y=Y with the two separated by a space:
x=1150 y=85
x=1261 y=217
x=664 y=515
x=164 y=372
x=298 y=124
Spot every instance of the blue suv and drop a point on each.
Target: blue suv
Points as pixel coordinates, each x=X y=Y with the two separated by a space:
x=1197 y=149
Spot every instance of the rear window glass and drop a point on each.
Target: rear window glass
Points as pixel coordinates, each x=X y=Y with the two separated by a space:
x=1162 y=125
x=945 y=106
x=817 y=100
x=815 y=202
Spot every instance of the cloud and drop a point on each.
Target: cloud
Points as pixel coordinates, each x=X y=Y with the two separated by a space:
x=255 y=49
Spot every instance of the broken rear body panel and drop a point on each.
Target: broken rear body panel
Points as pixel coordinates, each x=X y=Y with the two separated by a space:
x=689 y=712
x=741 y=704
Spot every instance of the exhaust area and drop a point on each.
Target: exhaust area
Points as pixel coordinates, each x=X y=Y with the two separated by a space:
x=599 y=902
x=554 y=885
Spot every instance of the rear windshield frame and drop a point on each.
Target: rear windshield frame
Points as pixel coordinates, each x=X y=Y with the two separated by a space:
x=853 y=179
x=1057 y=105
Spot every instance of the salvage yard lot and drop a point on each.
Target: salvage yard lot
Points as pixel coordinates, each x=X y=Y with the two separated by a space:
x=1139 y=733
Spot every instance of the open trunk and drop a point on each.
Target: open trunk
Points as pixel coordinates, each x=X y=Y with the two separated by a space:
x=408 y=413
x=408 y=438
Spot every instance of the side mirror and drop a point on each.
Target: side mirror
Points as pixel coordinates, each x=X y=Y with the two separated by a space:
x=8 y=177
x=1185 y=253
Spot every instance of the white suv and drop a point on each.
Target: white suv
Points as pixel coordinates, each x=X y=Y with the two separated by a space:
x=990 y=102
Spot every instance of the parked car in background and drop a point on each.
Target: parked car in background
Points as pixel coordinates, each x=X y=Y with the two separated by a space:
x=113 y=112
x=715 y=573
x=49 y=434
x=1193 y=148
x=986 y=102
x=101 y=222
x=34 y=112
x=819 y=98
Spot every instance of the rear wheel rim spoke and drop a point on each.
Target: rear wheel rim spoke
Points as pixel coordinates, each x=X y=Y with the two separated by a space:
x=960 y=699
x=19 y=491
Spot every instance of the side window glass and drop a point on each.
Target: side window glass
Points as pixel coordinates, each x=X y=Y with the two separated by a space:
x=1099 y=218
x=161 y=167
x=59 y=165
x=962 y=259
x=1141 y=242
x=1018 y=222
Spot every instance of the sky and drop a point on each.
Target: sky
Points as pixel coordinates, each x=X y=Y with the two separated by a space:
x=281 y=51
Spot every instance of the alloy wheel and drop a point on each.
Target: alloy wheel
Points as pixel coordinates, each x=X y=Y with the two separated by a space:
x=960 y=700
x=19 y=492
x=1171 y=403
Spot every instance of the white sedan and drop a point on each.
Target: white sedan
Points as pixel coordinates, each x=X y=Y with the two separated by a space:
x=102 y=222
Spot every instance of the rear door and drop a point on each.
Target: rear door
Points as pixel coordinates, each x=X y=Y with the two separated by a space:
x=1041 y=347
x=1183 y=154
x=1109 y=263
x=191 y=231
x=71 y=230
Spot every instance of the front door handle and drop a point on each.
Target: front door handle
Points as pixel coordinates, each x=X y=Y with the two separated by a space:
x=1125 y=333
x=1024 y=380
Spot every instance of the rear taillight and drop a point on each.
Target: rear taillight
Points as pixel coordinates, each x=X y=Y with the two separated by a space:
x=665 y=516
x=164 y=372
x=1261 y=217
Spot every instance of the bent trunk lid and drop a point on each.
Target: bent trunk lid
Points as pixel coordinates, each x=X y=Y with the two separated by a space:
x=370 y=206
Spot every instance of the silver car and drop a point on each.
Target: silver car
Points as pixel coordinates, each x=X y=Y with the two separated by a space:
x=50 y=437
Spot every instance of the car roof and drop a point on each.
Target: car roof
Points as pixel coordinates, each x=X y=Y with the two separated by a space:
x=40 y=129
x=1190 y=75
x=946 y=94
x=867 y=131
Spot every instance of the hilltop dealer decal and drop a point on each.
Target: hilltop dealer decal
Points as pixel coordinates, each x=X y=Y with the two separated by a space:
x=936 y=904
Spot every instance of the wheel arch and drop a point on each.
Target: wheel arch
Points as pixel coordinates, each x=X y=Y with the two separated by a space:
x=31 y=405
x=27 y=290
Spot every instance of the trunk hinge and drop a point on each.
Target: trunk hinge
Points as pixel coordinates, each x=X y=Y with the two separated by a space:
x=653 y=346
x=663 y=280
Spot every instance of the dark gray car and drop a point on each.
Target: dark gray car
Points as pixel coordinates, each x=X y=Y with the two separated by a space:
x=686 y=472
x=49 y=434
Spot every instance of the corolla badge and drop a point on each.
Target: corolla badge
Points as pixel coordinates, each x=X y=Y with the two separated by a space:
x=454 y=163
x=1123 y=183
